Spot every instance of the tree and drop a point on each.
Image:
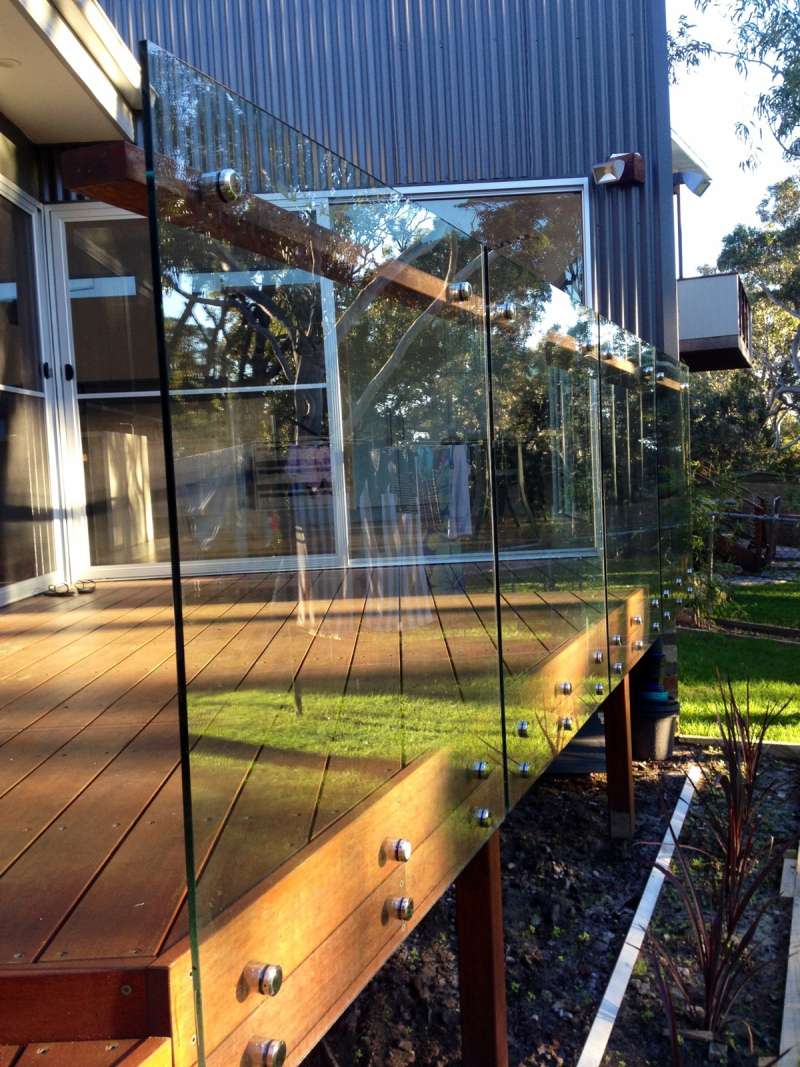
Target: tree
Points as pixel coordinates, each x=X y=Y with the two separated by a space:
x=768 y=256
x=766 y=36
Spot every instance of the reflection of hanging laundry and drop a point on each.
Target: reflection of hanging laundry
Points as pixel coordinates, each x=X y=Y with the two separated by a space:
x=211 y=487
x=308 y=472
x=459 y=517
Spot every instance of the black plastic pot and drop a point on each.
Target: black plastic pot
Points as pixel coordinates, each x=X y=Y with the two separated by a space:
x=653 y=721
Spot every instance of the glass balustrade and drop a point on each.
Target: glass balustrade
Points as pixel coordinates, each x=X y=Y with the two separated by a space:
x=422 y=485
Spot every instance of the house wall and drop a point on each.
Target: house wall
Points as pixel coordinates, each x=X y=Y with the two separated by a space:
x=441 y=91
x=18 y=158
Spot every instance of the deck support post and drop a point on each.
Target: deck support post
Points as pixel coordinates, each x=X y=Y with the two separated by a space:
x=481 y=959
x=619 y=761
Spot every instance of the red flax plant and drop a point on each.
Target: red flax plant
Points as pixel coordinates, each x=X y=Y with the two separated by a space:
x=725 y=904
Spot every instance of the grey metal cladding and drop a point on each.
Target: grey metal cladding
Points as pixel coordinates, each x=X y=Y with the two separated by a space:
x=438 y=91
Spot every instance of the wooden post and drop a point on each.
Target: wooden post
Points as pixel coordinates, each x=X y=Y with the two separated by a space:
x=619 y=761
x=481 y=960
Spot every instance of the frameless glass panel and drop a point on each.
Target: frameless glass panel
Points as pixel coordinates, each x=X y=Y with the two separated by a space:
x=26 y=533
x=672 y=399
x=545 y=385
x=328 y=410
x=630 y=484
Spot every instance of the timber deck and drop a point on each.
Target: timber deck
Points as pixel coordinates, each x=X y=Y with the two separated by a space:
x=92 y=869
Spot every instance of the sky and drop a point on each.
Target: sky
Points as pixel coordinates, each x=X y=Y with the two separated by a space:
x=706 y=104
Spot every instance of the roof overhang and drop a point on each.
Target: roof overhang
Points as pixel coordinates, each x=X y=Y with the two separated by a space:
x=65 y=73
x=687 y=167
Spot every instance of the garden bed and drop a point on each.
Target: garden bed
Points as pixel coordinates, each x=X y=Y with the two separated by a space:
x=569 y=897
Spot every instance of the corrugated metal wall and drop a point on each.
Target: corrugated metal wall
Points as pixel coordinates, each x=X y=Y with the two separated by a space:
x=438 y=91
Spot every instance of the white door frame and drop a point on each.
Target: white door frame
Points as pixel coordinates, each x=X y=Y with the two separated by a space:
x=30 y=586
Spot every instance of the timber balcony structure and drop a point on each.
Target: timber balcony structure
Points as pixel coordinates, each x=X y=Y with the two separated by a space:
x=425 y=515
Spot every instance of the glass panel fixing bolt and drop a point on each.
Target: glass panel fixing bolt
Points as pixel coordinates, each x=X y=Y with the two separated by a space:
x=505 y=311
x=401 y=908
x=597 y=655
x=263 y=978
x=524 y=769
x=565 y=688
x=523 y=728
x=566 y=724
x=264 y=1052
x=599 y=689
x=618 y=668
x=398 y=849
x=480 y=769
x=616 y=639
x=226 y=185
x=482 y=816
x=636 y=620
x=638 y=645
x=459 y=292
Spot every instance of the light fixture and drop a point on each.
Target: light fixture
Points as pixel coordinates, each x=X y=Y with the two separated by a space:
x=621 y=168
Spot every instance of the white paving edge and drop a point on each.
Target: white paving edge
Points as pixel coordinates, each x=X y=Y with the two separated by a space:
x=600 y=1032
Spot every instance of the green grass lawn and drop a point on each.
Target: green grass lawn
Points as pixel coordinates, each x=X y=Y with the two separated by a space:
x=773 y=668
x=777 y=604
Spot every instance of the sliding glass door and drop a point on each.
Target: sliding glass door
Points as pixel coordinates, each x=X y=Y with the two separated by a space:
x=27 y=536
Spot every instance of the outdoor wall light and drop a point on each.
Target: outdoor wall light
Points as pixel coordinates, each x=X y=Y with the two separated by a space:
x=621 y=168
x=263 y=1052
x=226 y=185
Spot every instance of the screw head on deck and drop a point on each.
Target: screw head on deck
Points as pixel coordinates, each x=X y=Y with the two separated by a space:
x=263 y=978
x=265 y=1052
x=482 y=816
x=597 y=656
x=480 y=769
x=401 y=908
x=523 y=728
x=459 y=292
x=398 y=849
x=566 y=688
